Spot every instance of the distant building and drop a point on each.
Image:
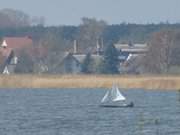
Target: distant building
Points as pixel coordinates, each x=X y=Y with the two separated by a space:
x=128 y=55
x=72 y=60
x=72 y=63
x=8 y=60
x=10 y=50
x=126 y=51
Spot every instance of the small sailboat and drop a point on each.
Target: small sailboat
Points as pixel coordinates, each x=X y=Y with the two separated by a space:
x=114 y=98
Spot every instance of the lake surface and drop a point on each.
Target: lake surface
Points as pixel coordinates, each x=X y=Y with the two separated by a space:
x=76 y=112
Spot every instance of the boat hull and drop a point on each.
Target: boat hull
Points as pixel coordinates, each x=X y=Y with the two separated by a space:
x=118 y=106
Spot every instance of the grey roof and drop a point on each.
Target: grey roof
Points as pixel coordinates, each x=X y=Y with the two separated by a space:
x=132 y=48
x=81 y=57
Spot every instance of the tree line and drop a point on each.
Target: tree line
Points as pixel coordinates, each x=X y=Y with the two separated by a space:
x=163 y=41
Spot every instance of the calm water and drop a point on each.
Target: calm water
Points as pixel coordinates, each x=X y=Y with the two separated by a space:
x=76 y=112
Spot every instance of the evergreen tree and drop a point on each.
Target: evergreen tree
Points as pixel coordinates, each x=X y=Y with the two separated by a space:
x=110 y=62
x=87 y=64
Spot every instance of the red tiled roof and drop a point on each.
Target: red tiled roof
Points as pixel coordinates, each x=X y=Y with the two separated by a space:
x=18 y=42
x=5 y=52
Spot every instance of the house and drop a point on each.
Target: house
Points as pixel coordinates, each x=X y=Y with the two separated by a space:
x=10 y=50
x=69 y=64
x=72 y=60
x=128 y=51
x=129 y=55
x=8 y=60
x=72 y=63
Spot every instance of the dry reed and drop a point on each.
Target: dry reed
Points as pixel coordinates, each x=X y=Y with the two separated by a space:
x=89 y=81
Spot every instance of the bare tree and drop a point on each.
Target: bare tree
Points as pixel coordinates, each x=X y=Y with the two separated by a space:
x=5 y=21
x=17 y=18
x=90 y=31
x=56 y=46
x=10 y=18
x=175 y=55
x=40 y=21
x=158 y=58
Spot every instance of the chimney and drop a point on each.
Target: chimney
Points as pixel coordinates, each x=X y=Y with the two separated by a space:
x=97 y=47
x=102 y=45
x=75 y=47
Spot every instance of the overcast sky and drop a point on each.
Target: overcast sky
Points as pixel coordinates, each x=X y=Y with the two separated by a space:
x=70 y=12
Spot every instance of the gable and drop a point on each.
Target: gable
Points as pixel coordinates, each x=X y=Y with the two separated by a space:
x=70 y=58
x=5 y=71
x=4 y=44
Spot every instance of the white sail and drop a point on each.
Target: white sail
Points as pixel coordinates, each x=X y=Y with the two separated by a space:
x=106 y=97
x=113 y=95
x=118 y=96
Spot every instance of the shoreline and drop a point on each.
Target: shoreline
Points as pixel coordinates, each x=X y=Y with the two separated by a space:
x=153 y=82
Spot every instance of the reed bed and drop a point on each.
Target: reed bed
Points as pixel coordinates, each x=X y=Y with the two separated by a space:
x=164 y=82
